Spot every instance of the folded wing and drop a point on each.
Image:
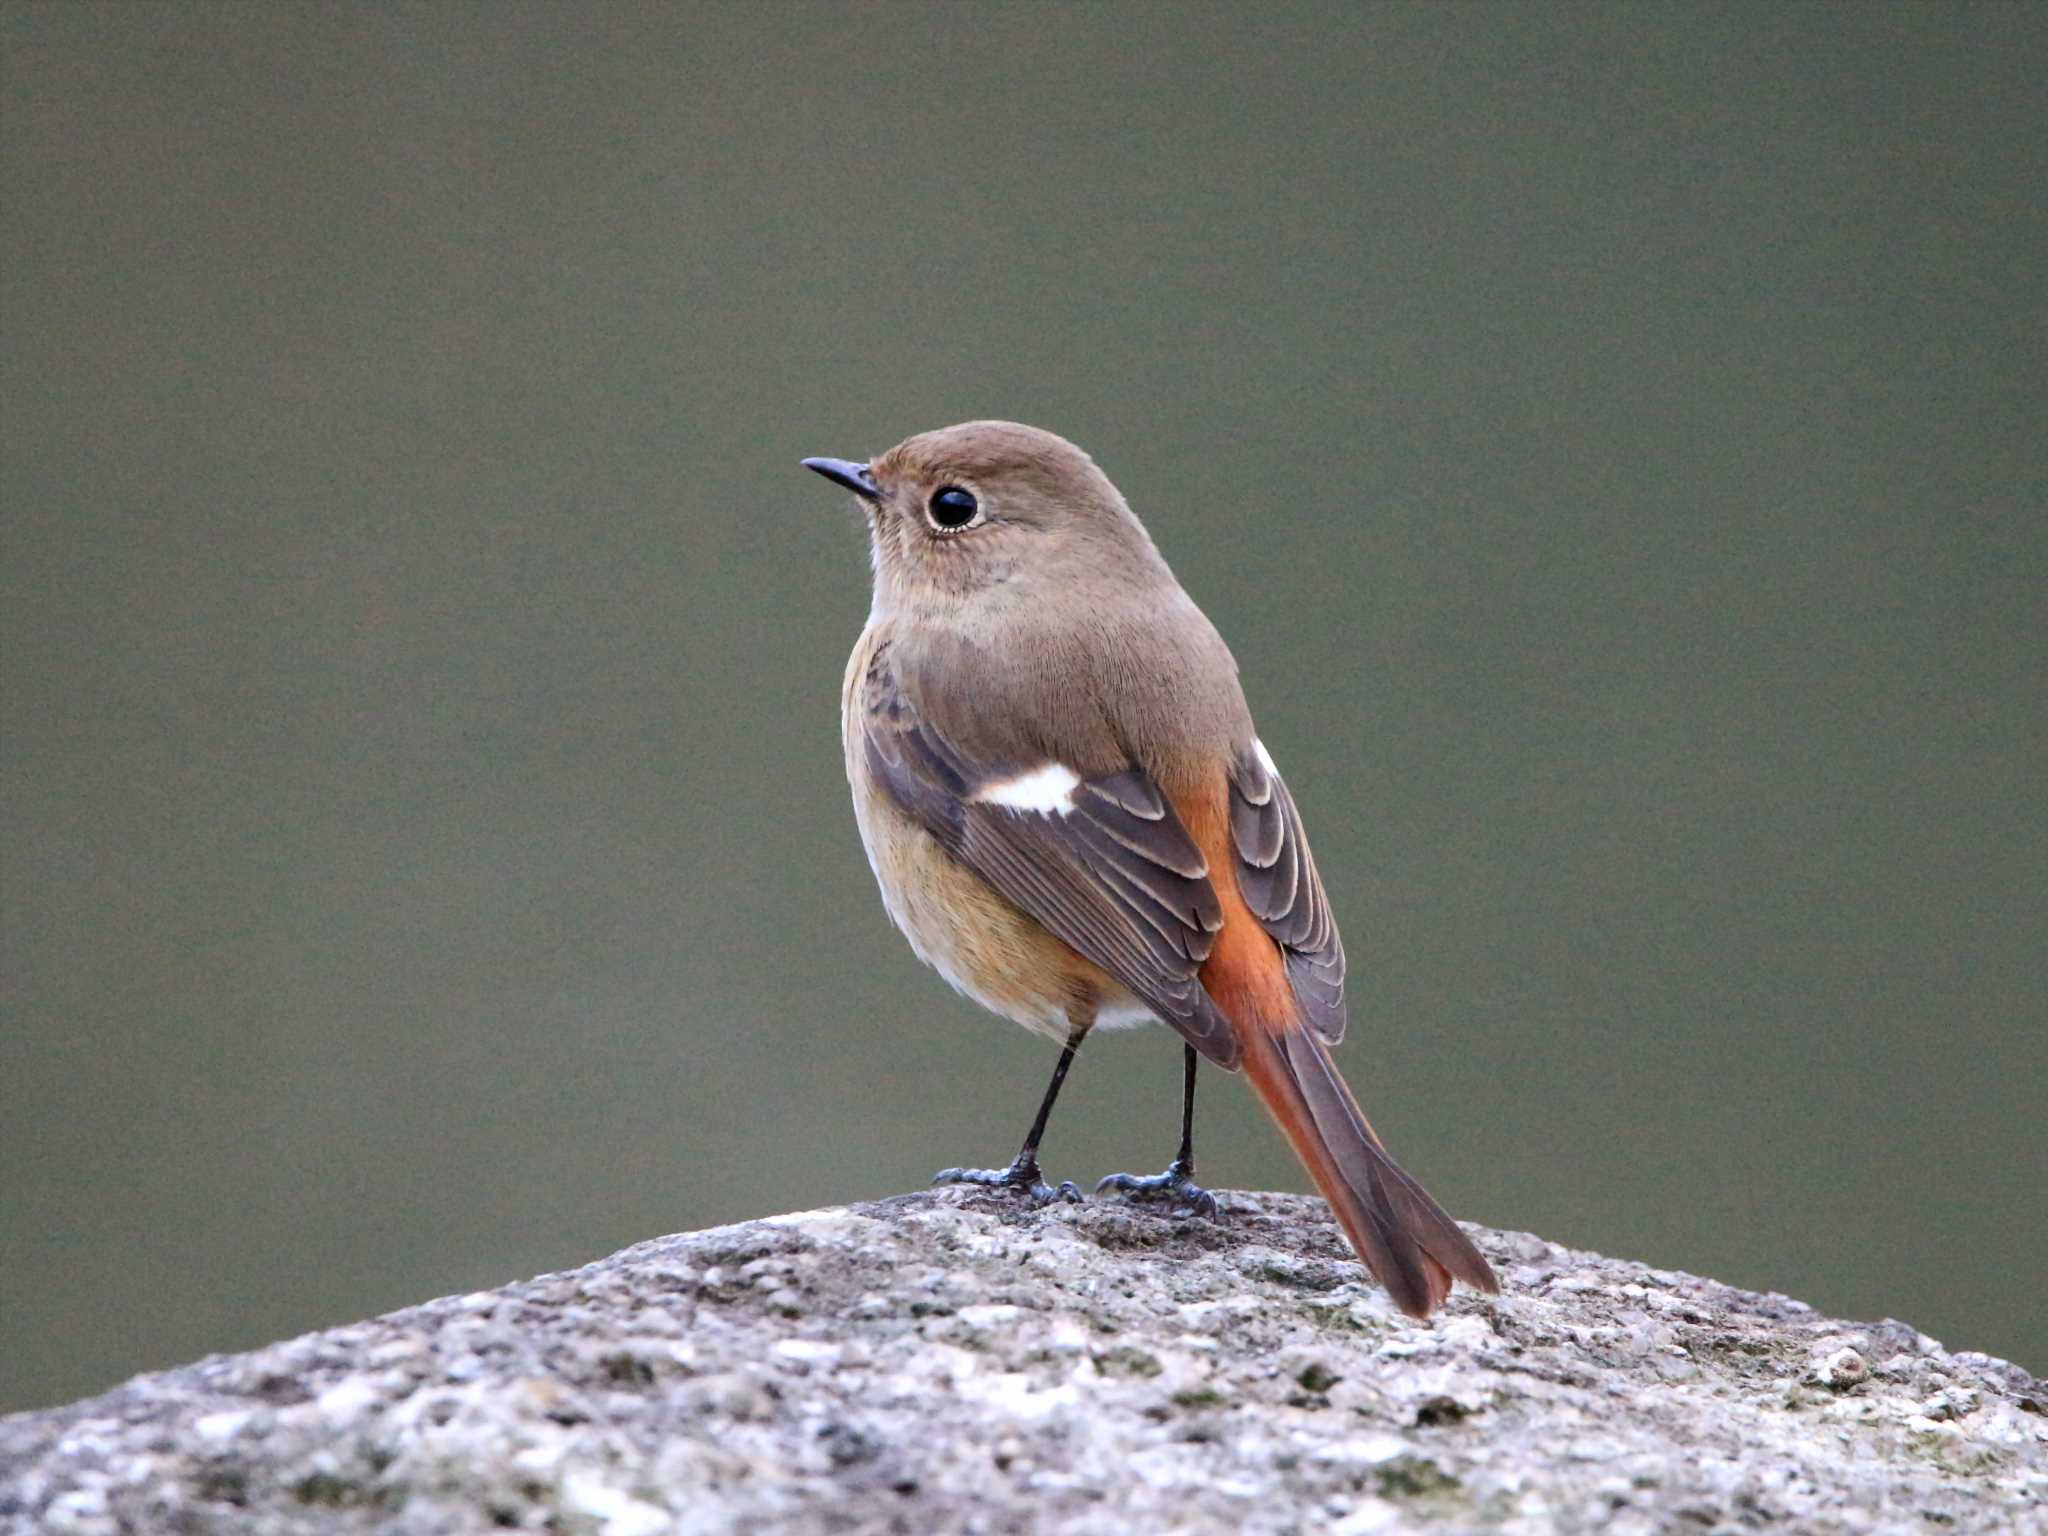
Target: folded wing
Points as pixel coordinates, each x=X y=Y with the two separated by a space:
x=1280 y=885
x=1100 y=859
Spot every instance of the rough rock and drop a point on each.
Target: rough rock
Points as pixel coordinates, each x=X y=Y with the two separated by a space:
x=953 y=1361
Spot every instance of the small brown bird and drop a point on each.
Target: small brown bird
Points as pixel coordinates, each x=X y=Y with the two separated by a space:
x=1073 y=821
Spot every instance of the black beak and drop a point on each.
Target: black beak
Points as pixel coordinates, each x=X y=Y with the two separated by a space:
x=854 y=477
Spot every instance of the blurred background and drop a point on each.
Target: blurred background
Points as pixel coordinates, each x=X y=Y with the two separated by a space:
x=1611 y=439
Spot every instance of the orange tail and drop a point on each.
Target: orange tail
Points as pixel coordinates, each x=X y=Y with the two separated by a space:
x=1403 y=1236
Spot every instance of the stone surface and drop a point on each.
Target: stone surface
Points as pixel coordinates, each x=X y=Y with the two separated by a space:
x=951 y=1361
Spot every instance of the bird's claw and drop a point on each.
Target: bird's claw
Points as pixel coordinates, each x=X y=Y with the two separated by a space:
x=1177 y=1183
x=1022 y=1176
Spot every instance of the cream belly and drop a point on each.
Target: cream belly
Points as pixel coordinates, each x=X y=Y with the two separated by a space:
x=959 y=925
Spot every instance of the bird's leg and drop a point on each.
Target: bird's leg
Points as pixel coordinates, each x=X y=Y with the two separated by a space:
x=1179 y=1179
x=1022 y=1174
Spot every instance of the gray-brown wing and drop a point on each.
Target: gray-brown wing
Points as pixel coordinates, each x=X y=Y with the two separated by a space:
x=1103 y=862
x=1280 y=885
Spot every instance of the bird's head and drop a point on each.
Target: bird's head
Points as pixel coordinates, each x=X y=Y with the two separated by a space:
x=991 y=513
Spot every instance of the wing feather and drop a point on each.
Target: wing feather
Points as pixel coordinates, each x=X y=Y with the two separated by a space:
x=1113 y=873
x=1278 y=878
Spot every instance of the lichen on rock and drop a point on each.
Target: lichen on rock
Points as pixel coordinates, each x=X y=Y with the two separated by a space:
x=954 y=1360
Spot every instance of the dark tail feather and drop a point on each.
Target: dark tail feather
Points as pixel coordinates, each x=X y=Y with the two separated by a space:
x=1403 y=1236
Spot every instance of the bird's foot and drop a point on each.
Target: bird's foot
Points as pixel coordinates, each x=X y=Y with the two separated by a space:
x=1022 y=1176
x=1176 y=1183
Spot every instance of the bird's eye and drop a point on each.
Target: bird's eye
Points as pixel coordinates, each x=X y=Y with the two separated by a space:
x=951 y=507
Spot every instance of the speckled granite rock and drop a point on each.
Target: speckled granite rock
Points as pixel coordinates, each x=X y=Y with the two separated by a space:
x=952 y=1362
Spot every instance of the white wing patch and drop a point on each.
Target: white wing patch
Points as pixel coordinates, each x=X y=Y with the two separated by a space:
x=1049 y=791
x=1265 y=757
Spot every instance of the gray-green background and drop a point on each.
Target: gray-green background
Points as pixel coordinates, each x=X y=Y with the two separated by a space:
x=1612 y=440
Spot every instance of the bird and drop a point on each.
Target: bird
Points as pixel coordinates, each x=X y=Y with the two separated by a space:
x=1072 y=819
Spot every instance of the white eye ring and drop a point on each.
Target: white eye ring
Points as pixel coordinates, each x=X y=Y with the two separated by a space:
x=952 y=508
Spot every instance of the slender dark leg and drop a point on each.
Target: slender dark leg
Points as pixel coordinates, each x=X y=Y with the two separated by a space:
x=1022 y=1174
x=1179 y=1179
